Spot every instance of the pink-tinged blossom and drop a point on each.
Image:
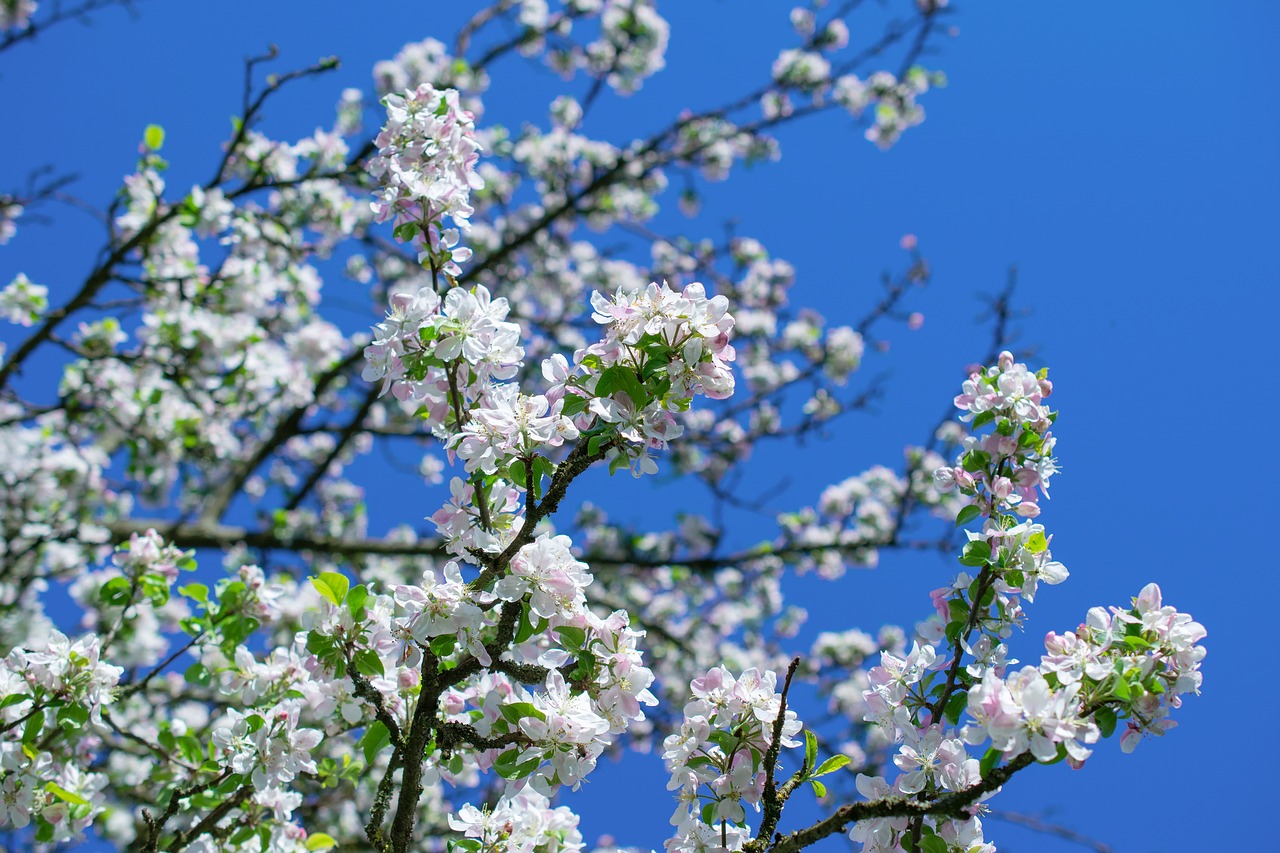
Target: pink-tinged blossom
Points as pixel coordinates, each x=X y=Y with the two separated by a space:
x=1024 y=713
x=878 y=835
x=69 y=671
x=426 y=163
x=747 y=705
x=523 y=820
x=441 y=604
x=894 y=677
x=269 y=747
x=1154 y=648
x=546 y=569
x=147 y=553
x=569 y=736
x=506 y=424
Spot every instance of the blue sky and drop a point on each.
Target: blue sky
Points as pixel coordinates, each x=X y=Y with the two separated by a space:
x=1122 y=155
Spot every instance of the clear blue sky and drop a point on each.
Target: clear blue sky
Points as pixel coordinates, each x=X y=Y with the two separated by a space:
x=1122 y=155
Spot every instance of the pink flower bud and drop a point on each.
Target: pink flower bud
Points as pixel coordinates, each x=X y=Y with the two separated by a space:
x=1001 y=488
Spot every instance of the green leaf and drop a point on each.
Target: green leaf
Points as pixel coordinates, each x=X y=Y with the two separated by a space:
x=1138 y=643
x=975 y=553
x=254 y=722
x=443 y=645
x=967 y=514
x=572 y=638
x=982 y=419
x=243 y=834
x=376 y=738
x=933 y=844
x=818 y=788
x=1037 y=543
x=234 y=631
x=191 y=749
x=153 y=136
x=195 y=591
x=368 y=663
x=810 y=749
x=1106 y=720
x=831 y=765
x=507 y=767
x=13 y=699
x=323 y=588
x=73 y=716
x=573 y=404
x=65 y=795
x=517 y=473
x=31 y=731
x=617 y=463
x=516 y=711
x=155 y=588
x=724 y=740
x=620 y=378
x=355 y=601
x=116 y=592
x=955 y=706
x=709 y=814
x=989 y=760
x=525 y=628
x=320 y=841
x=543 y=467
x=337 y=585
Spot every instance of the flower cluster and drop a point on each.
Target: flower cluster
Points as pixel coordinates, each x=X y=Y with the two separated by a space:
x=21 y=301
x=59 y=689
x=895 y=108
x=717 y=754
x=427 y=153
x=16 y=15
x=520 y=821
x=1143 y=660
x=660 y=349
x=1133 y=664
x=270 y=749
x=1007 y=468
x=511 y=424
x=426 y=341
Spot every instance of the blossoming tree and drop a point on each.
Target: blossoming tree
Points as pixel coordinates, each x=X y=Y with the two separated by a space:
x=245 y=667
